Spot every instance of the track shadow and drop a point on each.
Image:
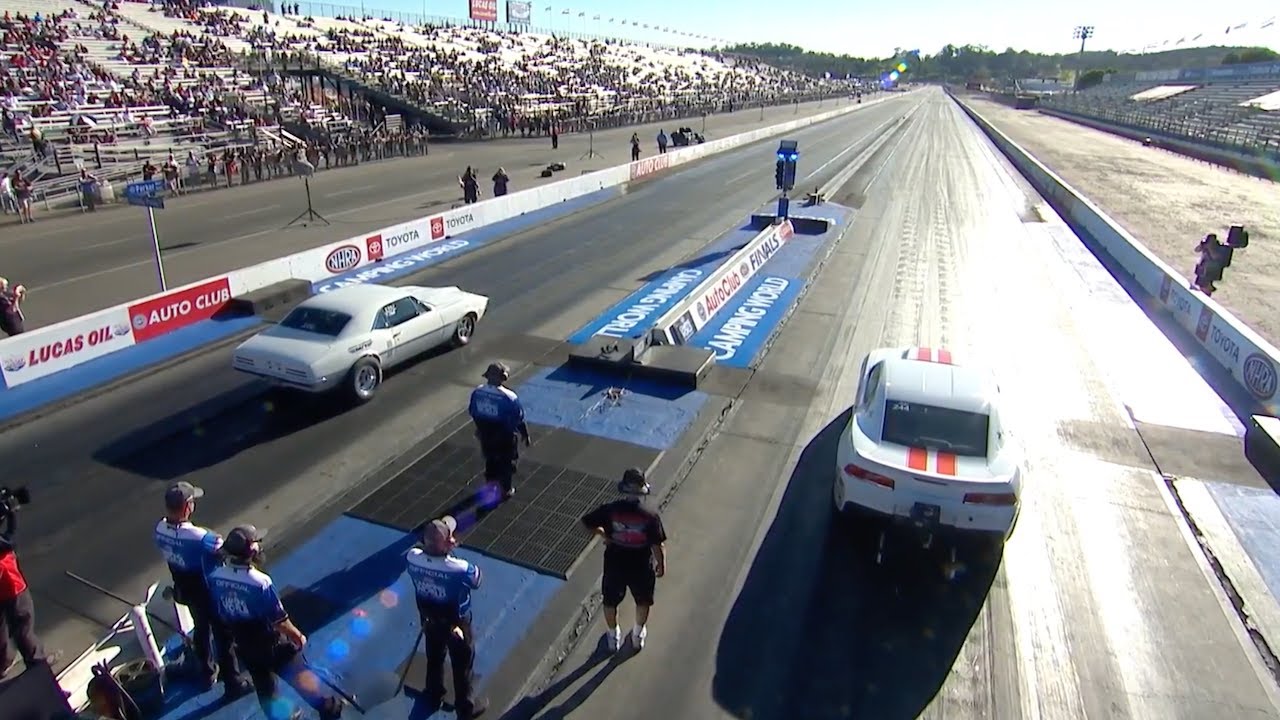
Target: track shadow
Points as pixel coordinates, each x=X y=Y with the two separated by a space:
x=529 y=706
x=216 y=431
x=222 y=427
x=820 y=631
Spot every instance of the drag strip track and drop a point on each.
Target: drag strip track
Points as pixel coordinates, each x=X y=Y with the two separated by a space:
x=97 y=467
x=1098 y=607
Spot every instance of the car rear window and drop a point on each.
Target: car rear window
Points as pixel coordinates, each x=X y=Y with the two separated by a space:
x=935 y=428
x=316 y=320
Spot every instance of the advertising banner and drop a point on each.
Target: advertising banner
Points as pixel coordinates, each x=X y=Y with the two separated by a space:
x=680 y=324
x=175 y=310
x=519 y=12
x=485 y=10
x=33 y=355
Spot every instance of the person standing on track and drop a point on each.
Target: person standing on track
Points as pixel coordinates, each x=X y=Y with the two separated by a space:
x=266 y=640
x=191 y=552
x=634 y=555
x=499 y=419
x=443 y=584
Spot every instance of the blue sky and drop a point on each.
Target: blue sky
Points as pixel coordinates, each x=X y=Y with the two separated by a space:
x=868 y=29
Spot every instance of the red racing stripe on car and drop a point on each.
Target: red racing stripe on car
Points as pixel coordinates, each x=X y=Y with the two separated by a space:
x=918 y=459
x=946 y=463
x=944 y=357
x=924 y=354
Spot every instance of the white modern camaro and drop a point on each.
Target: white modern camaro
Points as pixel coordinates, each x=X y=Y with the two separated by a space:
x=347 y=338
x=926 y=448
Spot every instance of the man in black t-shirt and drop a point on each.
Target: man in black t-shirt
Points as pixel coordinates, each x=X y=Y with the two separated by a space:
x=634 y=555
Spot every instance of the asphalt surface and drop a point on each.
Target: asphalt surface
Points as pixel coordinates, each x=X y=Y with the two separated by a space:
x=97 y=468
x=77 y=263
x=1099 y=608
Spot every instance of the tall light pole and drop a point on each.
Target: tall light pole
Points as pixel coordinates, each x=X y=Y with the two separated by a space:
x=1082 y=33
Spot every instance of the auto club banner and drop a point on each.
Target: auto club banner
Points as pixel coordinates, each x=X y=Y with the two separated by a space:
x=484 y=10
x=519 y=12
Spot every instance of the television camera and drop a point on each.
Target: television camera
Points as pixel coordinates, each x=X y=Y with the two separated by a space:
x=1216 y=256
x=13 y=498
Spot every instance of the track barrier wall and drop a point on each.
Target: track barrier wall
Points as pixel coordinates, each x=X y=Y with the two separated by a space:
x=43 y=352
x=1251 y=360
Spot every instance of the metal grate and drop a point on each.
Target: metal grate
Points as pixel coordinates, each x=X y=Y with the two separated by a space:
x=539 y=528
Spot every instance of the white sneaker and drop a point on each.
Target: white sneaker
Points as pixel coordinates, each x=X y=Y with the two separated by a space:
x=613 y=638
x=638 y=635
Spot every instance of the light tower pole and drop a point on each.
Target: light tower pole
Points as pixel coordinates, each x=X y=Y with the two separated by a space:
x=1082 y=33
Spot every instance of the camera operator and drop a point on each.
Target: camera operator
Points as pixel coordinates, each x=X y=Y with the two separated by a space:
x=1209 y=266
x=17 y=610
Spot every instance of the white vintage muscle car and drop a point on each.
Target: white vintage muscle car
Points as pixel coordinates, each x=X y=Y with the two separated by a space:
x=926 y=446
x=347 y=338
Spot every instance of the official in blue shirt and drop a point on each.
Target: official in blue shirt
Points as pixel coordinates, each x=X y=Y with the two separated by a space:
x=191 y=552
x=499 y=419
x=442 y=584
x=266 y=640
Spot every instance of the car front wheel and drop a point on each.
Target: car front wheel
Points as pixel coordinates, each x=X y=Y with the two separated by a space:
x=465 y=328
x=366 y=376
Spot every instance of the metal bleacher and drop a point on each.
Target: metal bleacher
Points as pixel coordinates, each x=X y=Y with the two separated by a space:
x=1215 y=112
x=90 y=131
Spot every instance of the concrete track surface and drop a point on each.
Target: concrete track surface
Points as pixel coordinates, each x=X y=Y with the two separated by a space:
x=75 y=264
x=1101 y=607
x=1167 y=200
x=97 y=468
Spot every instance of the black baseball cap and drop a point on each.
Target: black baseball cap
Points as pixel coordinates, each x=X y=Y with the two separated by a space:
x=239 y=541
x=181 y=493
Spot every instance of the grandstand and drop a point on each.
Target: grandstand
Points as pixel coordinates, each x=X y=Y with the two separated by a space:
x=1234 y=108
x=120 y=87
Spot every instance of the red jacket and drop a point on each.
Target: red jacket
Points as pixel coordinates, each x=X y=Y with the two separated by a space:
x=12 y=583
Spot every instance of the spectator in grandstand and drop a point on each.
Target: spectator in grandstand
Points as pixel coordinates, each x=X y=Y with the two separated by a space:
x=22 y=192
x=88 y=185
x=7 y=199
x=12 y=321
x=470 y=186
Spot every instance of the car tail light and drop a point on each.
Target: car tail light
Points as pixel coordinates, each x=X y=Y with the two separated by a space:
x=854 y=471
x=1000 y=499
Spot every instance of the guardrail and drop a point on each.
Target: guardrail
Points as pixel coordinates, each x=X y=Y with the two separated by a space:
x=682 y=322
x=43 y=352
x=1250 y=359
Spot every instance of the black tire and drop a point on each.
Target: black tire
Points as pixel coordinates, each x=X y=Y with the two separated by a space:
x=464 y=330
x=364 y=380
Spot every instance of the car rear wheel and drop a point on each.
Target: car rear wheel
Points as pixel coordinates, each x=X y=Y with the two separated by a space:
x=465 y=328
x=365 y=378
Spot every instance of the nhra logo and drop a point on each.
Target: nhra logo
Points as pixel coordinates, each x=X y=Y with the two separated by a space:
x=1259 y=376
x=702 y=312
x=437 y=227
x=342 y=259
